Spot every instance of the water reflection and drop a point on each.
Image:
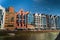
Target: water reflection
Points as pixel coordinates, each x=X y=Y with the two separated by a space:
x=32 y=36
x=44 y=36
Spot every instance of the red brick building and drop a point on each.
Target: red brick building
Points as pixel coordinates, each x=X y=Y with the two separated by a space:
x=21 y=19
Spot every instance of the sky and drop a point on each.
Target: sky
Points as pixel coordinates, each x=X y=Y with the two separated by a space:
x=34 y=6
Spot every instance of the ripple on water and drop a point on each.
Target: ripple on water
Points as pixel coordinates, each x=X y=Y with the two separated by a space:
x=32 y=36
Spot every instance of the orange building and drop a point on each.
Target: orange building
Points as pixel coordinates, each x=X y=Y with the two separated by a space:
x=10 y=19
x=21 y=19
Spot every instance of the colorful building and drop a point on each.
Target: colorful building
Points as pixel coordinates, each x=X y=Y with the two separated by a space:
x=10 y=19
x=30 y=19
x=53 y=23
x=44 y=21
x=21 y=19
x=40 y=21
x=48 y=19
x=2 y=17
x=57 y=21
x=36 y=22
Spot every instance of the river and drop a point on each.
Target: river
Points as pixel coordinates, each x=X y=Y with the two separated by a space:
x=32 y=36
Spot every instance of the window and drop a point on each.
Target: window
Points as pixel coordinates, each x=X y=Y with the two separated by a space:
x=17 y=24
x=1 y=17
x=21 y=25
x=10 y=26
x=17 y=21
x=43 y=20
x=12 y=19
x=20 y=21
x=24 y=16
x=24 y=21
x=0 y=12
x=21 y=16
x=24 y=25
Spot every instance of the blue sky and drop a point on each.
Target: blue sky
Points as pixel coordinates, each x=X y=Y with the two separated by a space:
x=40 y=6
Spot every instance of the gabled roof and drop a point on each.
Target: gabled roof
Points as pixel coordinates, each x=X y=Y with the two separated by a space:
x=1 y=7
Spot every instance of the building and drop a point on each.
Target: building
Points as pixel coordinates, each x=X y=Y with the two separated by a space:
x=40 y=21
x=51 y=22
x=57 y=20
x=21 y=19
x=10 y=19
x=48 y=21
x=2 y=16
x=36 y=22
x=30 y=19
x=30 y=25
x=44 y=21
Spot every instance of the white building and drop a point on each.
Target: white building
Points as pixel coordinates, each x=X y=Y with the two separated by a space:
x=40 y=21
x=53 y=22
x=43 y=22
x=2 y=17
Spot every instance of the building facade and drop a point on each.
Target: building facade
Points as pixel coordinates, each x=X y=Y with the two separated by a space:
x=57 y=20
x=2 y=16
x=53 y=22
x=44 y=21
x=40 y=21
x=21 y=19
x=36 y=21
x=30 y=19
x=10 y=19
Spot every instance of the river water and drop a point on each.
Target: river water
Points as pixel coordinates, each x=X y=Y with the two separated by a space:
x=31 y=36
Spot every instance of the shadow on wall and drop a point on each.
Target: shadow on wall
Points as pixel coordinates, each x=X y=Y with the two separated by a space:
x=58 y=37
